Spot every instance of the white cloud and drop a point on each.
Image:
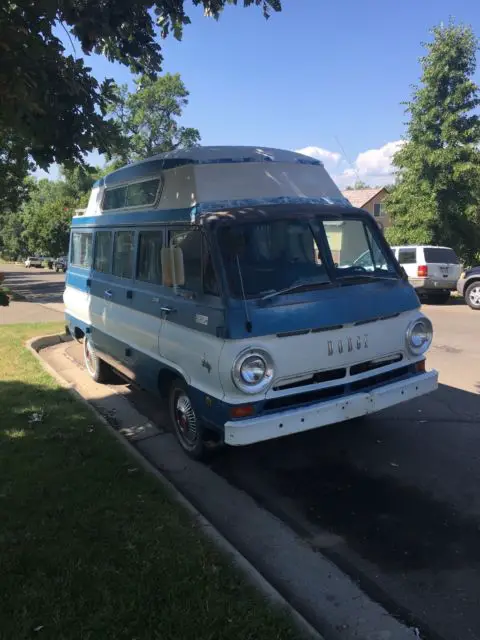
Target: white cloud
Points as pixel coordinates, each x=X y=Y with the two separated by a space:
x=378 y=162
x=373 y=166
x=320 y=154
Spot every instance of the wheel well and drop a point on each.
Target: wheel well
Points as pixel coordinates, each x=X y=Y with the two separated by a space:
x=165 y=379
x=472 y=281
x=78 y=334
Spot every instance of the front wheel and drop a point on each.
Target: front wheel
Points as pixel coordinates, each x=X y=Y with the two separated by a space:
x=472 y=295
x=96 y=367
x=185 y=423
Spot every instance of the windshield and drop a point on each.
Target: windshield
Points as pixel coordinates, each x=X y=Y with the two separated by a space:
x=266 y=257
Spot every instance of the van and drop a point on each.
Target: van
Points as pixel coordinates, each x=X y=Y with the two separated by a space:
x=226 y=280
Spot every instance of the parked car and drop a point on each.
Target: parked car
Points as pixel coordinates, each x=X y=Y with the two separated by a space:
x=469 y=287
x=432 y=271
x=60 y=264
x=34 y=261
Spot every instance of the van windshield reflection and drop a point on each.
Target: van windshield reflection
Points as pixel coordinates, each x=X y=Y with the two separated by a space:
x=283 y=256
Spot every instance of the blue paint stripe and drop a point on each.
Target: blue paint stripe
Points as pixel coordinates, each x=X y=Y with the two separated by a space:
x=190 y=214
x=136 y=218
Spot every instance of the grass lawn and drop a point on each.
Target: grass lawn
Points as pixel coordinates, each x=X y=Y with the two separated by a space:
x=90 y=545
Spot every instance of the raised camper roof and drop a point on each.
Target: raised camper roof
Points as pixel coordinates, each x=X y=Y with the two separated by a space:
x=189 y=182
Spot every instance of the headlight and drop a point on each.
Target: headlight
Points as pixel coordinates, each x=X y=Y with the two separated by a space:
x=419 y=336
x=252 y=371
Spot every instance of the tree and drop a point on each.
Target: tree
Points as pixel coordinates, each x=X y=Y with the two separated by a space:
x=49 y=100
x=436 y=198
x=359 y=184
x=147 y=117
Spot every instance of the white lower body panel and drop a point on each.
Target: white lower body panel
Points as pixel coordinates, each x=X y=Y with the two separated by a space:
x=284 y=423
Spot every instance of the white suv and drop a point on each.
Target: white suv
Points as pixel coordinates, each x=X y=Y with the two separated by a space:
x=33 y=261
x=433 y=271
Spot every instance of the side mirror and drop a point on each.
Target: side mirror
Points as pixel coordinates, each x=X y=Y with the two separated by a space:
x=404 y=274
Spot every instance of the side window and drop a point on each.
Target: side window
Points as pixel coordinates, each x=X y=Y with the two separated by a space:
x=197 y=263
x=149 y=266
x=407 y=256
x=142 y=194
x=123 y=254
x=103 y=251
x=81 y=252
x=114 y=198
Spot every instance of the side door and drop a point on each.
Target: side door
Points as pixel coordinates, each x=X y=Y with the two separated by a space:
x=117 y=297
x=147 y=306
x=193 y=311
x=100 y=282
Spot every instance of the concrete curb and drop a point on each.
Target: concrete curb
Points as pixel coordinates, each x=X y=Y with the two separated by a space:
x=34 y=345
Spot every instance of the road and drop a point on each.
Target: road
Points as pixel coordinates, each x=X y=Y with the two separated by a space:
x=42 y=290
x=395 y=500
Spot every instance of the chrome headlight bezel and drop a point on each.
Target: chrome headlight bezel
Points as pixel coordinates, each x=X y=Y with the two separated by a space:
x=418 y=350
x=239 y=380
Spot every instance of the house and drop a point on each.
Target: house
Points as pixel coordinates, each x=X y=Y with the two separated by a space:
x=372 y=200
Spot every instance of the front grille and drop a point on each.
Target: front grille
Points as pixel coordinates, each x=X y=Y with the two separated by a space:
x=304 y=398
x=320 y=376
x=309 y=397
x=380 y=378
x=370 y=365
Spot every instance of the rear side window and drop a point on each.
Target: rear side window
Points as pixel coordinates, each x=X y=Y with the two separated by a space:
x=114 y=198
x=149 y=267
x=103 y=251
x=123 y=254
x=81 y=253
x=435 y=255
x=138 y=194
x=407 y=256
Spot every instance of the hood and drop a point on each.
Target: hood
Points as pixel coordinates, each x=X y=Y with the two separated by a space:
x=321 y=309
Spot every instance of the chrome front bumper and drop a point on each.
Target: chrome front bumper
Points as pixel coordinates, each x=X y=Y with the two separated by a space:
x=284 y=423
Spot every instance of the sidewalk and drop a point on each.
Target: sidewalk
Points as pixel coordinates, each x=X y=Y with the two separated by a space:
x=20 y=312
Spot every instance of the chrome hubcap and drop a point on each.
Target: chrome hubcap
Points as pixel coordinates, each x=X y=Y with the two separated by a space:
x=474 y=296
x=185 y=419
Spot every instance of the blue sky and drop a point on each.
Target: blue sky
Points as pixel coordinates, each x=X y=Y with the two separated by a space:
x=319 y=75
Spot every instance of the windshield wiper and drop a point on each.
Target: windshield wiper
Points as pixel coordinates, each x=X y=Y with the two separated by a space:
x=297 y=285
x=366 y=276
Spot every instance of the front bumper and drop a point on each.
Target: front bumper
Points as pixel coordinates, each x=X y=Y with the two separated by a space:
x=284 y=423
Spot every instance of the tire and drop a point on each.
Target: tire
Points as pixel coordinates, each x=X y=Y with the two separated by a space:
x=97 y=369
x=184 y=422
x=472 y=295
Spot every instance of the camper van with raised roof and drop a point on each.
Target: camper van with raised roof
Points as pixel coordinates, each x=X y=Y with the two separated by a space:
x=227 y=280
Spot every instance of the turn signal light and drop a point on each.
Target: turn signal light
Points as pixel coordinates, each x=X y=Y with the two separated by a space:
x=242 y=411
x=420 y=366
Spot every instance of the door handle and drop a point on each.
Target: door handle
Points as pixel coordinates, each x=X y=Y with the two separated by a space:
x=107 y=293
x=167 y=309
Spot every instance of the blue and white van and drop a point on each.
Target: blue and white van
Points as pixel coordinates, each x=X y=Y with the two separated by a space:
x=228 y=281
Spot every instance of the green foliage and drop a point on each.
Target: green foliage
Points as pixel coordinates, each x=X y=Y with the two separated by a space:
x=436 y=199
x=359 y=184
x=52 y=109
x=41 y=225
x=147 y=117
